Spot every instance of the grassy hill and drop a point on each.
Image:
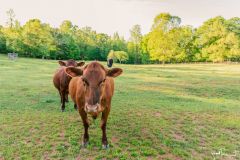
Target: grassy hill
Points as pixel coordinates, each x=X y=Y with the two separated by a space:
x=184 y=111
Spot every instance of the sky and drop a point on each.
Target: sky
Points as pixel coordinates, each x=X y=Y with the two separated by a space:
x=109 y=16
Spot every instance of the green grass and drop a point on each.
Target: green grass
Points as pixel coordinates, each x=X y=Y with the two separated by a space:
x=184 y=111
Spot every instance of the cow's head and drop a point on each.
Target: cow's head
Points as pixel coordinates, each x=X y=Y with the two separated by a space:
x=94 y=82
x=71 y=62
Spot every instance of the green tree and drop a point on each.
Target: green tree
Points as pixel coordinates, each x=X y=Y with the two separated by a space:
x=103 y=42
x=67 y=27
x=163 y=40
x=166 y=22
x=13 y=38
x=65 y=39
x=89 y=39
x=37 y=39
x=216 y=42
x=233 y=25
x=2 y=41
x=12 y=33
x=111 y=55
x=120 y=56
x=185 y=36
x=66 y=48
x=145 y=57
x=134 y=47
x=118 y=43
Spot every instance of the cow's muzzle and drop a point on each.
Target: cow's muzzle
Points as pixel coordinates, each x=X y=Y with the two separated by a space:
x=93 y=109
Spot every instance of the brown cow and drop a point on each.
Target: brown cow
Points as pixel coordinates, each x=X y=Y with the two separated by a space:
x=61 y=80
x=92 y=89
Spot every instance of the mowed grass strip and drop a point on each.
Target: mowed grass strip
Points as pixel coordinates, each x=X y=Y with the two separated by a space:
x=184 y=111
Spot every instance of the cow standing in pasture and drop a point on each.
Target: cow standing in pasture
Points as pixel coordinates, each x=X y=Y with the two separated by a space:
x=91 y=89
x=61 y=80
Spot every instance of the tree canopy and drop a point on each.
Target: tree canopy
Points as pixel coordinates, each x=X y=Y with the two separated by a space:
x=216 y=40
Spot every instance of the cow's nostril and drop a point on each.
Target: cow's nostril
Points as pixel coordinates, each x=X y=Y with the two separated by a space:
x=91 y=108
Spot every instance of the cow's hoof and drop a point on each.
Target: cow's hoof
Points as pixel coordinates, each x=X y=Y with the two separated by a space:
x=84 y=144
x=105 y=146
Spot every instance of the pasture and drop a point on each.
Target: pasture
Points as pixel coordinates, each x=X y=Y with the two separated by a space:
x=182 y=111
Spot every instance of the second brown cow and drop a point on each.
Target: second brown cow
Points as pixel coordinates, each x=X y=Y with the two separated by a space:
x=61 y=80
x=92 y=89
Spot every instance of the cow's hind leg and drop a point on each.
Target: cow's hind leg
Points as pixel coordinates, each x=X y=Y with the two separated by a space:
x=75 y=106
x=66 y=96
x=60 y=96
x=105 y=114
x=63 y=100
x=83 y=115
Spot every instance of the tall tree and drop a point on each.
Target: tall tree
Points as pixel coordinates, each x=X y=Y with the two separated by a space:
x=12 y=33
x=66 y=27
x=166 y=22
x=2 y=41
x=37 y=39
x=144 y=49
x=103 y=45
x=66 y=47
x=185 y=36
x=13 y=38
x=215 y=42
x=135 y=39
x=163 y=40
x=11 y=18
x=233 y=25
x=118 y=43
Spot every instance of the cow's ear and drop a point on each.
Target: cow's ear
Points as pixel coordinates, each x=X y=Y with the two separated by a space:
x=80 y=64
x=114 y=72
x=73 y=71
x=62 y=63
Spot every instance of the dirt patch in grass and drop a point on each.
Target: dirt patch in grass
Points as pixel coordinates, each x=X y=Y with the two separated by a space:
x=158 y=114
x=178 y=137
x=115 y=140
x=168 y=157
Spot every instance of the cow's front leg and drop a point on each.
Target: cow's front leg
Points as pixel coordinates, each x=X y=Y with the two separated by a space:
x=83 y=115
x=105 y=114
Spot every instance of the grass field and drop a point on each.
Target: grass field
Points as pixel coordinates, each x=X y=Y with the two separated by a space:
x=179 y=111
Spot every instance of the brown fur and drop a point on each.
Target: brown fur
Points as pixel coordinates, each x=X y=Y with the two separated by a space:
x=61 y=80
x=94 y=88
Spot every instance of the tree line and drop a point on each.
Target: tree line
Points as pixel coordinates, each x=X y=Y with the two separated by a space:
x=216 y=40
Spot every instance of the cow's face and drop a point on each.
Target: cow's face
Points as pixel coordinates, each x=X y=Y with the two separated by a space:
x=94 y=81
x=71 y=63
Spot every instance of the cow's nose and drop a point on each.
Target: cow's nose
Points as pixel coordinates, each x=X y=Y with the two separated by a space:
x=91 y=108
